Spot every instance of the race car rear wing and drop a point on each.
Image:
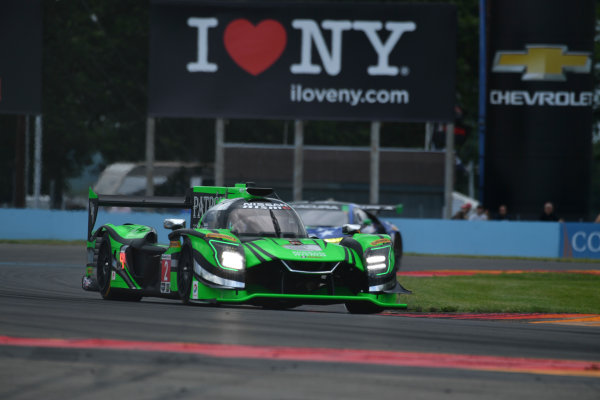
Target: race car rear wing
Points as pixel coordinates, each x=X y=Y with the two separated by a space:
x=197 y=199
x=96 y=200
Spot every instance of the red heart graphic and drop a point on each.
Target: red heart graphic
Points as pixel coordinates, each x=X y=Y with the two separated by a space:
x=254 y=48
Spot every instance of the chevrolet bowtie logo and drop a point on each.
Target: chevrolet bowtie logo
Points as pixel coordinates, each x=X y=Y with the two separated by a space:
x=542 y=62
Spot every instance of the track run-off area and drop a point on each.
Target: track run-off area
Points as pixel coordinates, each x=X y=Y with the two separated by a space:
x=58 y=341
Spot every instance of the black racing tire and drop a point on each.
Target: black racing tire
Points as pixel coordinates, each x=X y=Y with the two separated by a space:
x=398 y=250
x=103 y=266
x=185 y=274
x=103 y=274
x=363 y=307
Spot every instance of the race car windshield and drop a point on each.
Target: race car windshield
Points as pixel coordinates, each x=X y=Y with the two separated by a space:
x=313 y=217
x=256 y=220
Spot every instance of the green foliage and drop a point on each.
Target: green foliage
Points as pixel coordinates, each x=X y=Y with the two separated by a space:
x=528 y=292
x=95 y=96
x=94 y=84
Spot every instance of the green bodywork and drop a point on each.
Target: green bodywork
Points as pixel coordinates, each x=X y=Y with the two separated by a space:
x=129 y=243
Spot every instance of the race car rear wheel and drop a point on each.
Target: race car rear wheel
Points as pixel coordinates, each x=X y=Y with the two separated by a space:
x=185 y=274
x=362 y=307
x=103 y=268
x=104 y=272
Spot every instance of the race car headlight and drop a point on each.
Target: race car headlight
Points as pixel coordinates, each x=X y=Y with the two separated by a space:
x=377 y=258
x=228 y=255
x=373 y=267
x=232 y=259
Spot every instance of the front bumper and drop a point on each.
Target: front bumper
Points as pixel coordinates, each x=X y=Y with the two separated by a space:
x=204 y=294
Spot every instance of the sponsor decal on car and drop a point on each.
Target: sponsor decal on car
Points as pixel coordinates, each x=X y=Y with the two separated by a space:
x=122 y=259
x=165 y=287
x=113 y=275
x=195 y=290
x=202 y=204
x=302 y=247
x=221 y=236
x=308 y=254
x=266 y=206
x=380 y=241
x=165 y=274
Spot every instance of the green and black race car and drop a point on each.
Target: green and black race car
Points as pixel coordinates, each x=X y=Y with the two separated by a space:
x=243 y=248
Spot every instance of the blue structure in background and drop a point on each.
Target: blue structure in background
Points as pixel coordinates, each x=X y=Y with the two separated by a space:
x=421 y=236
x=72 y=225
x=580 y=240
x=480 y=238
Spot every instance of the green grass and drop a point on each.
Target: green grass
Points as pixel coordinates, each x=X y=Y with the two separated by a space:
x=559 y=259
x=519 y=293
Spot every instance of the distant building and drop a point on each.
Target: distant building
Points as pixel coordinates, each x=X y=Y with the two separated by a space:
x=170 y=178
x=414 y=178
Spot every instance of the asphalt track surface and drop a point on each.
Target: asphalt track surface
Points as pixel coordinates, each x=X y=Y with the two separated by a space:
x=41 y=298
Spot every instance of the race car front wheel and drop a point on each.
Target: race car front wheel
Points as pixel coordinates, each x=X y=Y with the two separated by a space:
x=185 y=274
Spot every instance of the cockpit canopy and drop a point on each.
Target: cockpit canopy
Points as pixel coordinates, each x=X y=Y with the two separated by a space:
x=255 y=218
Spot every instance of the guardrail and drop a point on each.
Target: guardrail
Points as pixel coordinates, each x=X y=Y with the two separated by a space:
x=422 y=236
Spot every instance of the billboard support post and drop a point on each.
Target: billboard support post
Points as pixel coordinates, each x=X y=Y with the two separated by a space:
x=482 y=93
x=374 y=179
x=449 y=171
x=37 y=161
x=27 y=145
x=428 y=135
x=19 y=171
x=150 y=127
x=298 y=159
x=219 y=152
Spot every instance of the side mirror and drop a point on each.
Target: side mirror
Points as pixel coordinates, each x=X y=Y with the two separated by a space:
x=174 y=223
x=367 y=222
x=350 y=229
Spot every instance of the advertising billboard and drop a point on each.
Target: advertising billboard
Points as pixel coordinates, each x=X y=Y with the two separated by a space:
x=580 y=240
x=539 y=106
x=20 y=57
x=352 y=61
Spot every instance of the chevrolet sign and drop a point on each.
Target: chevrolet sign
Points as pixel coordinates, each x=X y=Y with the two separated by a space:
x=543 y=62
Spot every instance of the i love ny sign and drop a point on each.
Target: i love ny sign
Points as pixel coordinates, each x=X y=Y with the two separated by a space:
x=303 y=60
